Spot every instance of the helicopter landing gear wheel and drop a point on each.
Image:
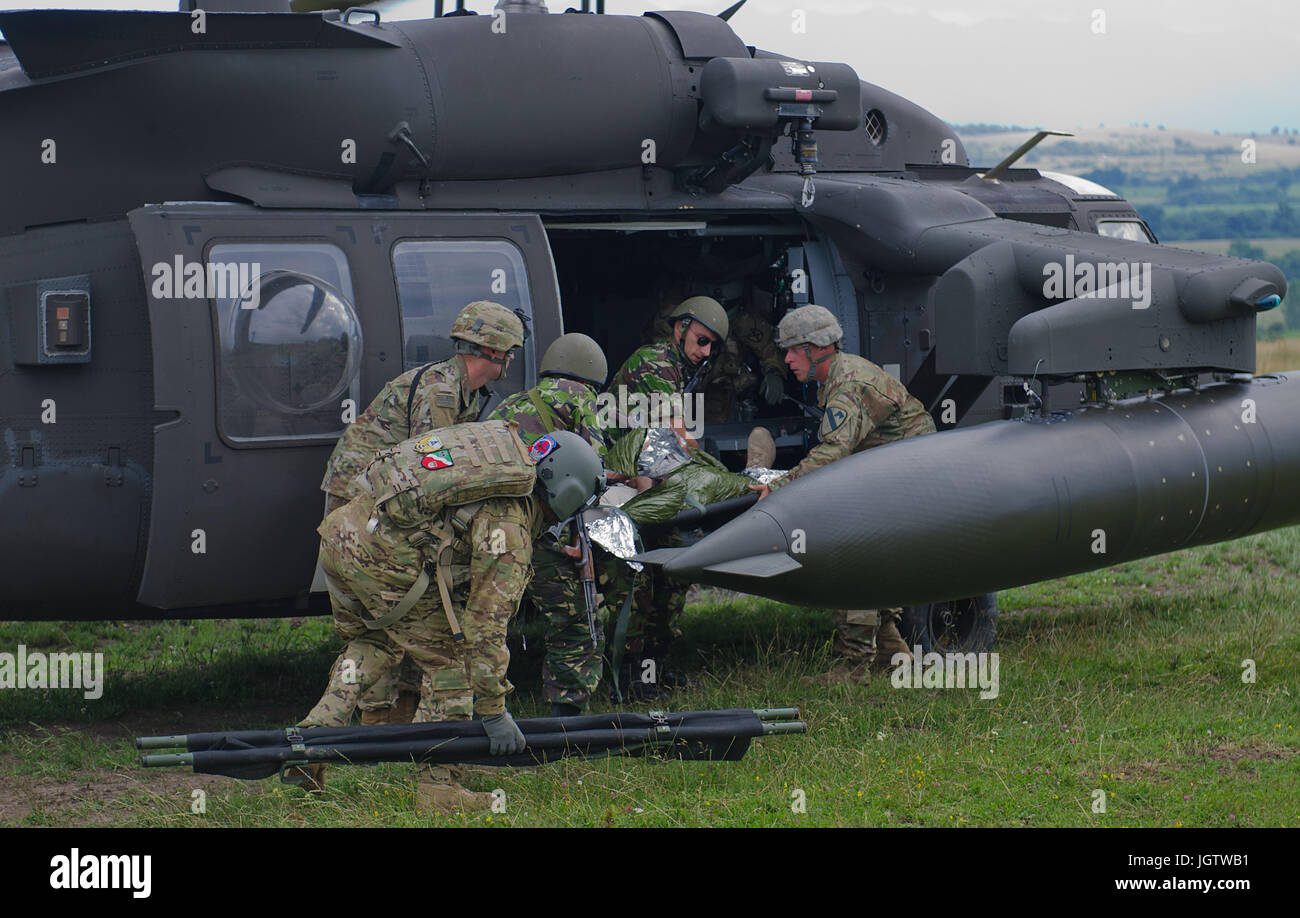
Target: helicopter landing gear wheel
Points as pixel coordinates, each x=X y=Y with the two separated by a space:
x=956 y=626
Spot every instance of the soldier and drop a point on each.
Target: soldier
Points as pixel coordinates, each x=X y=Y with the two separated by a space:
x=676 y=365
x=420 y=400
x=863 y=407
x=673 y=367
x=461 y=506
x=573 y=370
x=730 y=375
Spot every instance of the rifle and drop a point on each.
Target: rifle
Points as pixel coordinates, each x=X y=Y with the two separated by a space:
x=586 y=566
x=700 y=372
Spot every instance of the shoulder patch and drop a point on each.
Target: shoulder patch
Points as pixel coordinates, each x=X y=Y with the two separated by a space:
x=427 y=444
x=542 y=447
x=445 y=397
x=440 y=459
x=835 y=416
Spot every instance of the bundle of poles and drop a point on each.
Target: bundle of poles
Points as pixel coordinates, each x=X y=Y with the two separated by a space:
x=254 y=754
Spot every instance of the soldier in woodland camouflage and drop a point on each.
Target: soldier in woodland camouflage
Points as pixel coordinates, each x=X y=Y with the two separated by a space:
x=863 y=407
x=573 y=369
x=422 y=399
x=750 y=337
x=668 y=367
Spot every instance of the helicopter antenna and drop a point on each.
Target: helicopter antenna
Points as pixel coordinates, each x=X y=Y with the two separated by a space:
x=732 y=10
x=993 y=174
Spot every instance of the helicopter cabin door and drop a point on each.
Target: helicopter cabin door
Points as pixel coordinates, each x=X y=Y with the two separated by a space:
x=271 y=330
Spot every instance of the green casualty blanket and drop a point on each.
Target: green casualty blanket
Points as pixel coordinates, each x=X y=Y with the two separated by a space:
x=702 y=480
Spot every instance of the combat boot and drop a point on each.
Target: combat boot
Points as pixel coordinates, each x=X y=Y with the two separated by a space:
x=761 y=449
x=404 y=712
x=889 y=641
x=373 y=717
x=436 y=791
x=310 y=778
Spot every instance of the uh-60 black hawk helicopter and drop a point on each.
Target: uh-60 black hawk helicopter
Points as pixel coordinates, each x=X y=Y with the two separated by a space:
x=221 y=232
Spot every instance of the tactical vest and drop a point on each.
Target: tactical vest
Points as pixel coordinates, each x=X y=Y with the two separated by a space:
x=433 y=485
x=420 y=478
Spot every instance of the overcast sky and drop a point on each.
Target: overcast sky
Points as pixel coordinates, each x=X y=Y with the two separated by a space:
x=1203 y=64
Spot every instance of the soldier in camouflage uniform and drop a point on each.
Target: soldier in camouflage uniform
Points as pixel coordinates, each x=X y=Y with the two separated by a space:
x=573 y=370
x=379 y=560
x=420 y=400
x=667 y=367
x=729 y=375
x=863 y=407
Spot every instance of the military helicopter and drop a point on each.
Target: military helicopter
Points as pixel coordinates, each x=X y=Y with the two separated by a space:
x=225 y=228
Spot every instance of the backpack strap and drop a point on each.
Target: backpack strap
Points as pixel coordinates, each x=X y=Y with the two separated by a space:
x=410 y=394
x=549 y=420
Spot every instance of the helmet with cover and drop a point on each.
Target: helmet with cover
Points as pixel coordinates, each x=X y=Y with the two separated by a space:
x=484 y=324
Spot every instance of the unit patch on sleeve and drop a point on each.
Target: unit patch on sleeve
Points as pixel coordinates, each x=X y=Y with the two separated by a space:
x=427 y=444
x=440 y=459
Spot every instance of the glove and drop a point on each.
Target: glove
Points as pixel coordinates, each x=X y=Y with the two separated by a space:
x=773 y=387
x=504 y=735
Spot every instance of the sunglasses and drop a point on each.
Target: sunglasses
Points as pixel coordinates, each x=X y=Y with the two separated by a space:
x=705 y=341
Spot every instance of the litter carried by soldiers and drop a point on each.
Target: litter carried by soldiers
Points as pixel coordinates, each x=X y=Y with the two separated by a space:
x=255 y=754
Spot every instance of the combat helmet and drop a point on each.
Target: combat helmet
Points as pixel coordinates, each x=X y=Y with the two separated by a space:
x=705 y=310
x=568 y=470
x=486 y=324
x=810 y=326
x=576 y=356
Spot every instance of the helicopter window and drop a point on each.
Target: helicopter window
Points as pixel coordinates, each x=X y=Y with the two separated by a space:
x=874 y=124
x=289 y=340
x=436 y=278
x=1133 y=230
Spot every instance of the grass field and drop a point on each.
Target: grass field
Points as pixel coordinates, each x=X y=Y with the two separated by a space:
x=1278 y=356
x=1126 y=682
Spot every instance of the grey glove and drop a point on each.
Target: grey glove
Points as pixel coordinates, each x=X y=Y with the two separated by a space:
x=772 y=388
x=504 y=735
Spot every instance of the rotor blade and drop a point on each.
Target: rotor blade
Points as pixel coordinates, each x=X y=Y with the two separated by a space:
x=992 y=174
x=730 y=11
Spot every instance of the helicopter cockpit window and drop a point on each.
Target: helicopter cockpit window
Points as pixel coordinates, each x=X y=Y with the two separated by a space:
x=1132 y=230
x=289 y=341
x=436 y=278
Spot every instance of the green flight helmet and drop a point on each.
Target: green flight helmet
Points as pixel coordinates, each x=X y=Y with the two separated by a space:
x=707 y=311
x=577 y=356
x=568 y=470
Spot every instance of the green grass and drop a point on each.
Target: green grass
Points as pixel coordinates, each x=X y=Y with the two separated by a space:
x=1126 y=681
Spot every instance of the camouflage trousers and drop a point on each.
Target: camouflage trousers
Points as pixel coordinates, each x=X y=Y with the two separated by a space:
x=656 y=601
x=856 y=633
x=402 y=674
x=573 y=664
x=399 y=673
x=446 y=690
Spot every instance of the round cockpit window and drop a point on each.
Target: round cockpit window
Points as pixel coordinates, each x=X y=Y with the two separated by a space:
x=293 y=343
x=874 y=124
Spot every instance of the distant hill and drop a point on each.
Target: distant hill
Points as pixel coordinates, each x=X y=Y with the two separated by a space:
x=1191 y=187
x=1145 y=155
